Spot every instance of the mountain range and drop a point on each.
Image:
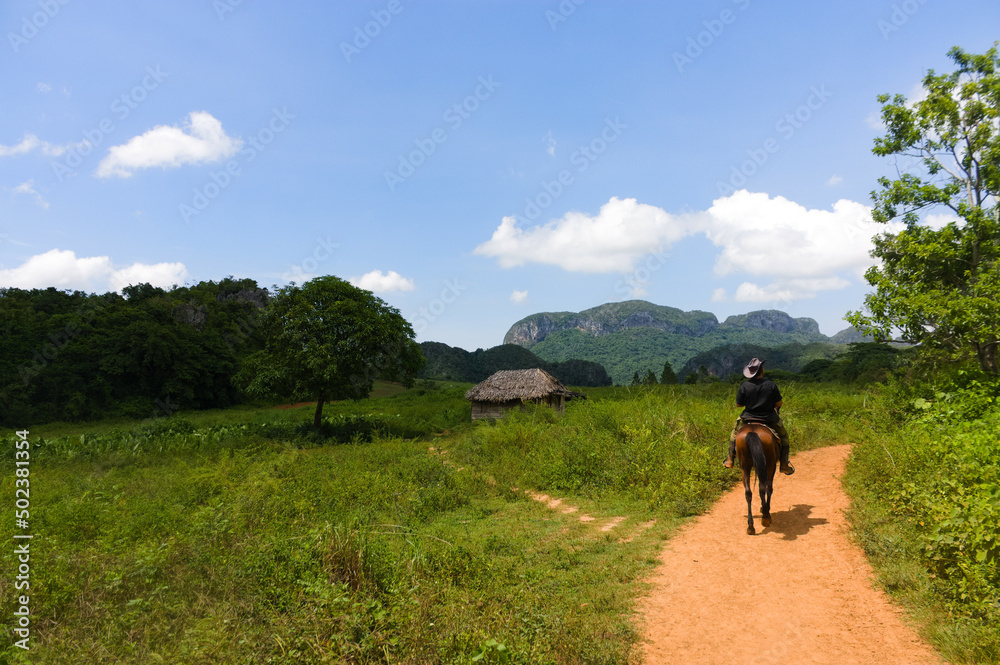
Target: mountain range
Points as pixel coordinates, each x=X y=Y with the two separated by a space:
x=637 y=336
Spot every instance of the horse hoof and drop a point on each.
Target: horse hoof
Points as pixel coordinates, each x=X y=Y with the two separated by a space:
x=766 y=521
x=751 y=531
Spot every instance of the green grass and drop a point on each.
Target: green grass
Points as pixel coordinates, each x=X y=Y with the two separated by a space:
x=236 y=536
x=370 y=553
x=434 y=402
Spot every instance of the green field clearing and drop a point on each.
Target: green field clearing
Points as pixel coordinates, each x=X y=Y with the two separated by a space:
x=405 y=536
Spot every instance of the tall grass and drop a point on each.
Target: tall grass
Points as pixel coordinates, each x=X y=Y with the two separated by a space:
x=241 y=537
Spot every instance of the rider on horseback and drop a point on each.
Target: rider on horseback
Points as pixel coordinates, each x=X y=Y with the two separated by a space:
x=761 y=400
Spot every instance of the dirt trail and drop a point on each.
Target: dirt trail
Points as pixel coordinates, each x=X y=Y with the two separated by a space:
x=817 y=605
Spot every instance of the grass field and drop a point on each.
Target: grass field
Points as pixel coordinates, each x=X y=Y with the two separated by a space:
x=403 y=534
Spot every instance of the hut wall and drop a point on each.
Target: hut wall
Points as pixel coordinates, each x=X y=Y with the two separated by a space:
x=493 y=409
x=487 y=410
x=498 y=409
x=557 y=402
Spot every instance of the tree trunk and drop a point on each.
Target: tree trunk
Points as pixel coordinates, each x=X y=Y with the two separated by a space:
x=987 y=355
x=318 y=417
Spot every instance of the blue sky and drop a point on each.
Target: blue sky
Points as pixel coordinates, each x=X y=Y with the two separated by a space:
x=470 y=162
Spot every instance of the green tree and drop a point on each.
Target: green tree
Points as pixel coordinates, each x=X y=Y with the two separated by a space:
x=668 y=375
x=940 y=288
x=635 y=379
x=328 y=340
x=650 y=379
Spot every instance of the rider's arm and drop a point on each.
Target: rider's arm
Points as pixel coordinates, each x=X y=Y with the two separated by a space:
x=777 y=405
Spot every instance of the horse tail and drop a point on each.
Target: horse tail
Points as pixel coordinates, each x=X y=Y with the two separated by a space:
x=756 y=449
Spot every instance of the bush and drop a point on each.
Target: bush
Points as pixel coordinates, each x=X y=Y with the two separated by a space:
x=928 y=492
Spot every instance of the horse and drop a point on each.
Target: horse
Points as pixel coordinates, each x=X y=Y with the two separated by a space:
x=757 y=449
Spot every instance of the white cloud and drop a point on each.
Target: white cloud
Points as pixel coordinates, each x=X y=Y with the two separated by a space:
x=939 y=221
x=28 y=188
x=918 y=93
x=43 y=87
x=621 y=233
x=64 y=270
x=761 y=235
x=874 y=120
x=787 y=290
x=201 y=140
x=750 y=292
x=834 y=180
x=719 y=295
x=31 y=142
x=799 y=251
x=163 y=275
x=376 y=282
x=518 y=297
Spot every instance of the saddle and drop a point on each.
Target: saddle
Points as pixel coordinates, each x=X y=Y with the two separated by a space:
x=750 y=421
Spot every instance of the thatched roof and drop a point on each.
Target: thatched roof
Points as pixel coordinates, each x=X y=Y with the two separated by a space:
x=513 y=384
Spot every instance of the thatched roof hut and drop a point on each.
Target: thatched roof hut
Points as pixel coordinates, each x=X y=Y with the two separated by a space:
x=512 y=388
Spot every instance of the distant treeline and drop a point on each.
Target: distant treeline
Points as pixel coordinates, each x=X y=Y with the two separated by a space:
x=455 y=364
x=861 y=362
x=820 y=361
x=72 y=355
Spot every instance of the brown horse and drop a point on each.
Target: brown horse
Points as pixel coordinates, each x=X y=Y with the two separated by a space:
x=757 y=449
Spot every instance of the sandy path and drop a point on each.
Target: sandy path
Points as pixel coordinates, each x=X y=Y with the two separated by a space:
x=818 y=604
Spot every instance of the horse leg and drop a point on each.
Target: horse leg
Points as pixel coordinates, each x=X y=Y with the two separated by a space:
x=749 y=493
x=770 y=491
x=767 y=488
x=765 y=503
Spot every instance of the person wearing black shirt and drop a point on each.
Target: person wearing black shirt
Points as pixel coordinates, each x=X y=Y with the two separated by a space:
x=760 y=400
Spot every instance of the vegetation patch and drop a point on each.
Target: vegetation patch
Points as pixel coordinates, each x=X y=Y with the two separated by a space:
x=236 y=536
x=926 y=491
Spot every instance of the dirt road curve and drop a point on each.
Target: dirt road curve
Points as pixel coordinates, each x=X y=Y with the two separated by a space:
x=815 y=602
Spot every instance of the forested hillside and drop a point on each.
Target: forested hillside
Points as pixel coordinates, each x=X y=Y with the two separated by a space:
x=638 y=336
x=72 y=355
